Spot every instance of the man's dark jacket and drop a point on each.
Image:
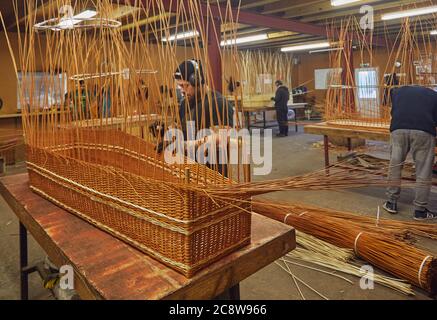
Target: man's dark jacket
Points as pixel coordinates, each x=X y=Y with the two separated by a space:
x=281 y=98
x=221 y=111
x=414 y=108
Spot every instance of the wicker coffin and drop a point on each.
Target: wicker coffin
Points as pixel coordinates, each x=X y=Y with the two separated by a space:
x=114 y=181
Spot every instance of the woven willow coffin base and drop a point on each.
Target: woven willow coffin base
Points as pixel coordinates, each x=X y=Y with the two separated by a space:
x=185 y=239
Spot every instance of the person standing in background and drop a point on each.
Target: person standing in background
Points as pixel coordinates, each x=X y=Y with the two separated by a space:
x=281 y=104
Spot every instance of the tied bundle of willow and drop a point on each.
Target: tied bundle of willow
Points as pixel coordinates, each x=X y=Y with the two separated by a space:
x=383 y=251
x=257 y=63
x=402 y=229
x=320 y=253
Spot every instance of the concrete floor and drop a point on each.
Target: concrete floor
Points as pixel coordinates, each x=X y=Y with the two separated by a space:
x=294 y=155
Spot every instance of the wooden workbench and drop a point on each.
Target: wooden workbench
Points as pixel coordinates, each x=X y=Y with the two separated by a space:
x=326 y=130
x=264 y=109
x=107 y=268
x=16 y=117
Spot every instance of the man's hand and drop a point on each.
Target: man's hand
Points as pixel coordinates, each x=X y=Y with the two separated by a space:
x=157 y=129
x=159 y=148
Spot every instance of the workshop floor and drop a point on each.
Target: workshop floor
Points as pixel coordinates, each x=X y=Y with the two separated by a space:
x=294 y=155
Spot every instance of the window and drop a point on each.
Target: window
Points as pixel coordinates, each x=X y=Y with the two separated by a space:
x=367 y=84
x=41 y=90
x=327 y=78
x=367 y=93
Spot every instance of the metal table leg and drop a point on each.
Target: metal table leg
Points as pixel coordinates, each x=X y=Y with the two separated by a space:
x=2 y=166
x=247 y=120
x=295 y=121
x=24 y=274
x=326 y=147
x=264 y=120
x=349 y=144
x=234 y=292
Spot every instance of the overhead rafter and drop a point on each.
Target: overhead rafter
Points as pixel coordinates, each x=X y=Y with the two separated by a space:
x=10 y=19
x=255 y=4
x=311 y=7
x=250 y=18
x=262 y=20
x=325 y=7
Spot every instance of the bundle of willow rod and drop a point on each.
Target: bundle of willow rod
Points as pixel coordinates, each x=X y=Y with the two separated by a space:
x=397 y=227
x=296 y=215
x=321 y=253
x=261 y=68
x=333 y=178
x=385 y=252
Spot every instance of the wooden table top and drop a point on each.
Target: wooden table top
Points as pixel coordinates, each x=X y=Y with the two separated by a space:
x=114 y=121
x=107 y=268
x=11 y=115
x=270 y=108
x=377 y=134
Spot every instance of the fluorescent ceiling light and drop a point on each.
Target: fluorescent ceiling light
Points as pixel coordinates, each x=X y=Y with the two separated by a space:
x=330 y=49
x=336 y=3
x=304 y=47
x=326 y=50
x=409 y=13
x=181 y=36
x=68 y=23
x=258 y=37
x=433 y=33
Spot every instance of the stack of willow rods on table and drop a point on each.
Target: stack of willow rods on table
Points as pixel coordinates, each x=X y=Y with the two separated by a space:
x=380 y=249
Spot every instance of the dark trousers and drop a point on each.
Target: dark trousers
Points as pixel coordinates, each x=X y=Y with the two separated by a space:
x=282 y=117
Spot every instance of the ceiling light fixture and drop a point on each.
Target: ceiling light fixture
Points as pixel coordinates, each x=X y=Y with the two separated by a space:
x=409 y=13
x=330 y=49
x=326 y=50
x=242 y=40
x=304 y=47
x=68 y=23
x=336 y=3
x=181 y=36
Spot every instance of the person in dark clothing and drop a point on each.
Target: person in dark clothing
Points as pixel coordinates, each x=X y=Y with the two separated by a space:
x=233 y=85
x=199 y=104
x=281 y=104
x=413 y=129
x=206 y=108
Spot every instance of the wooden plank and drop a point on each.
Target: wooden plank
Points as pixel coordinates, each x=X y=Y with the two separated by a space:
x=354 y=133
x=258 y=109
x=107 y=268
x=10 y=116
